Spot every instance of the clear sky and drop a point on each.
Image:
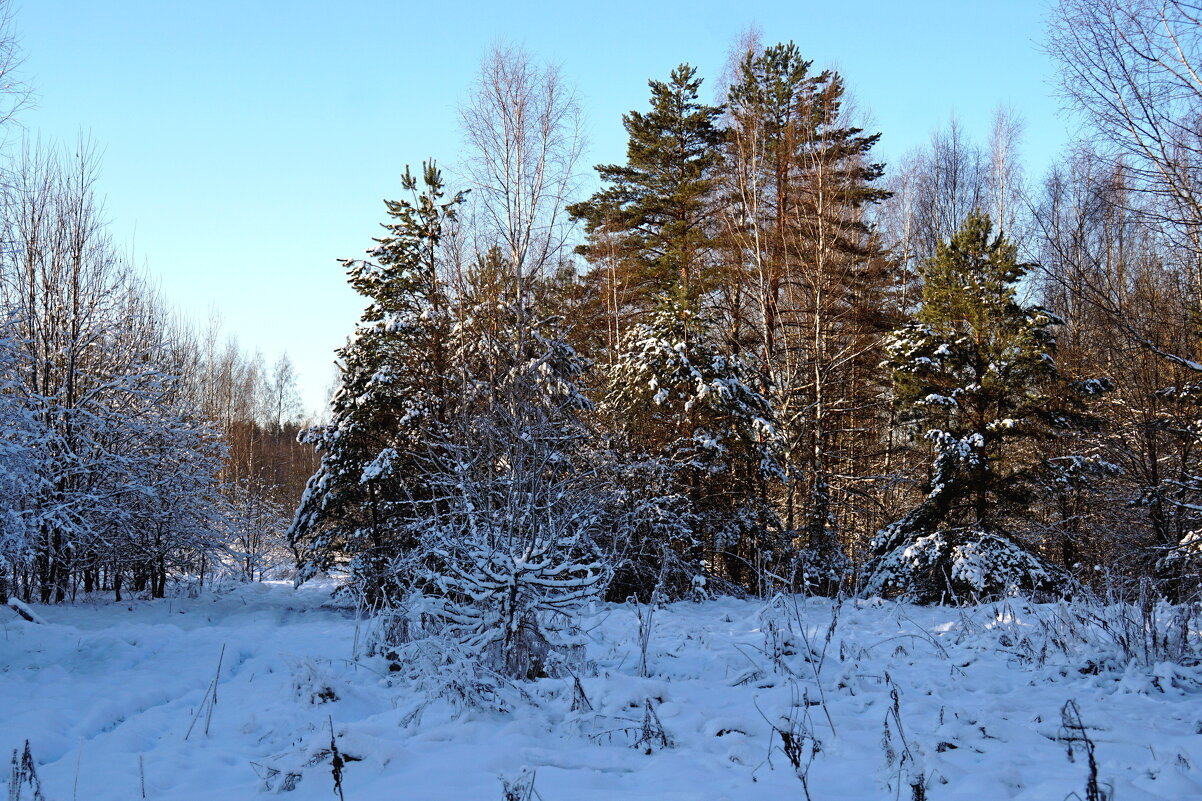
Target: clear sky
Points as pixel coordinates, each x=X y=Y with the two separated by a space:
x=247 y=144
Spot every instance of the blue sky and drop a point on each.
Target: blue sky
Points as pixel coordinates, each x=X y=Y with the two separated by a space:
x=247 y=144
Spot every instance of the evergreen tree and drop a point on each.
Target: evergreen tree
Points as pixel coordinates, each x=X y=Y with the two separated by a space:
x=977 y=370
x=699 y=452
x=799 y=179
x=391 y=409
x=510 y=552
x=653 y=216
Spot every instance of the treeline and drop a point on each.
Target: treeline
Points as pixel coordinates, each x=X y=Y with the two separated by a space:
x=753 y=360
x=133 y=448
x=777 y=367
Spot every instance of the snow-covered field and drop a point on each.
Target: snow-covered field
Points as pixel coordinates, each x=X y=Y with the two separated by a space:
x=967 y=701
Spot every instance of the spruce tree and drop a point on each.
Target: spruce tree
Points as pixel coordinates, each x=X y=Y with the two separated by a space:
x=653 y=214
x=389 y=415
x=699 y=451
x=977 y=372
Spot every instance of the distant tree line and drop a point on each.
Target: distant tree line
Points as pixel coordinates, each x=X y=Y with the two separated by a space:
x=133 y=448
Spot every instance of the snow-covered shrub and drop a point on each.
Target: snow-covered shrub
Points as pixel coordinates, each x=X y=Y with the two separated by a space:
x=520 y=787
x=651 y=733
x=509 y=551
x=437 y=665
x=1182 y=565
x=647 y=534
x=21 y=474
x=904 y=758
x=510 y=598
x=962 y=565
x=795 y=730
x=695 y=446
x=817 y=572
x=312 y=684
x=1144 y=630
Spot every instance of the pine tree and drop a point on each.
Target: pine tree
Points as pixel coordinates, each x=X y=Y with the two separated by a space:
x=654 y=214
x=391 y=410
x=799 y=181
x=977 y=370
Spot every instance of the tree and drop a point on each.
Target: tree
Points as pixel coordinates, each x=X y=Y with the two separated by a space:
x=1093 y=236
x=799 y=184
x=655 y=214
x=15 y=94
x=21 y=471
x=284 y=401
x=167 y=500
x=391 y=411
x=976 y=370
x=94 y=372
x=699 y=453
x=513 y=555
x=935 y=189
x=507 y=552
x=1132 y=68
x=522 y=130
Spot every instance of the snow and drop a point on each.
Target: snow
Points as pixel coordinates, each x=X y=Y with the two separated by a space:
x=380 y=466
x=101 y=688
x=24 y=611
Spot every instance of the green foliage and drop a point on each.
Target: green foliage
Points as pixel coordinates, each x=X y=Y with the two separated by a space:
x=977 y=371
x=981 y=367
x=391 y=408
x=704 y=443
x=796 y=118
x=652 y=215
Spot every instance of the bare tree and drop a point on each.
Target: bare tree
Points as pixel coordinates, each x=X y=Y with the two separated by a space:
x=1005 y=170
x=522 y=126
x=1132 y=68
x=1125 y=300
x=127 y=472
x=284 y=401
x=15 y=93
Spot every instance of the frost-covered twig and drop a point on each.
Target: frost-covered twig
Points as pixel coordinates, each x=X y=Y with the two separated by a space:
x=210 y=699
x=24 y=772
x=909 y=759
x=796 y=733
x=336 y=760
x=646 y=617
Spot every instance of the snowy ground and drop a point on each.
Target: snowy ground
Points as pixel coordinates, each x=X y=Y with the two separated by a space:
x=106 y=694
